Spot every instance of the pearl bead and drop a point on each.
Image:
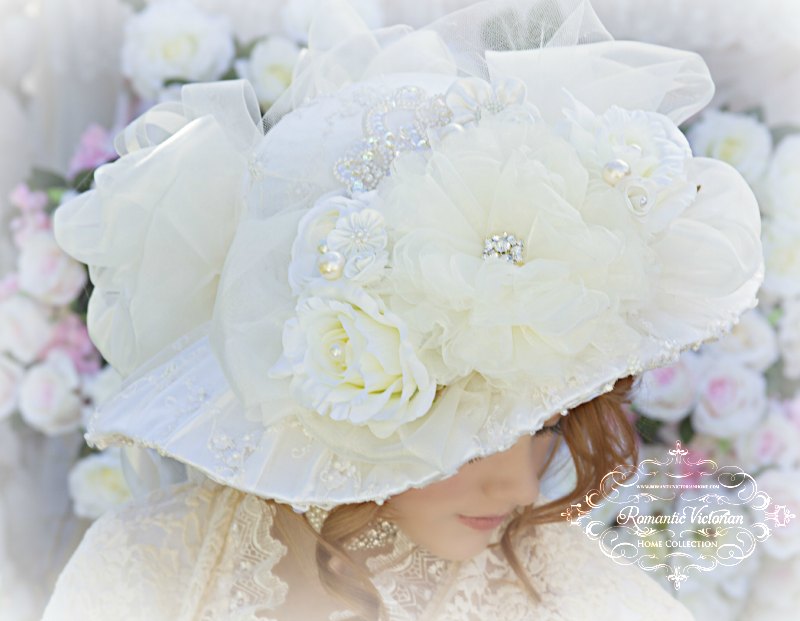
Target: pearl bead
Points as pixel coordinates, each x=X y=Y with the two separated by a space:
x=322 y=247
x=331 y=265
x=337 y=351
x=615 y=171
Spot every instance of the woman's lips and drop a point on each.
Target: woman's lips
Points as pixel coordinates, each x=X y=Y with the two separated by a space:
x=483 y=523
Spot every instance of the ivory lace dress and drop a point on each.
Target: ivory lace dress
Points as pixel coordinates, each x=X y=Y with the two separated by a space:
x=207 y=552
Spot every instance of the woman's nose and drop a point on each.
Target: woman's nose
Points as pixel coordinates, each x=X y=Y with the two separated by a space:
x=511 y=476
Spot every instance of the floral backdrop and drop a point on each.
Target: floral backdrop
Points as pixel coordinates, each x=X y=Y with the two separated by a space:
x=74 y=73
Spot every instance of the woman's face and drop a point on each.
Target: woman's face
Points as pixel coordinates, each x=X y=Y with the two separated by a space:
x=455 y=519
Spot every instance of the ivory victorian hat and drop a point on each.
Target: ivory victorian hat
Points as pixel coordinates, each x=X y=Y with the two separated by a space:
x=435 y=241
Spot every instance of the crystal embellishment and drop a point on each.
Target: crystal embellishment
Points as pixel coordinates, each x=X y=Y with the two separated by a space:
x=505 y=247
x=395 y=124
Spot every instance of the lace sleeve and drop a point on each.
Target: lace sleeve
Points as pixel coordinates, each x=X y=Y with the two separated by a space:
x=578 y=581
x=169 y=556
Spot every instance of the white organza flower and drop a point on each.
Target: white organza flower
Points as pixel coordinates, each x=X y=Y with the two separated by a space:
x=10 y=376
x=470 y=99
x=669 y=393
x=174 y=40
x=97 y=484
x=640 y=154
x=732 y=400
x=505 y=319
x=48 y=397
x=781 y=240
x=47 y=273
x=783 y=486
x=789 y=338
x=297 y=16
x=738 y=139
x=752 y=342
x=24 y=328
x=343 y=230
x=351 y=360
x=783 y=180
x=774 y=442
x=269 y=68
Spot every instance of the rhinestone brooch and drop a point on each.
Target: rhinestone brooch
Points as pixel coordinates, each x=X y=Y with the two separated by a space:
x=505 y=247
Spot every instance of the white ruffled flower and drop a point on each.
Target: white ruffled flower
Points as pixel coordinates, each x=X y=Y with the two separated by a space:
x=47 y=273
x=269 y=68
x=738 y=139
x=789 y=338
x=732 y=400
x=783 y=180
x=669 y=393
x=344 y=232
x=470 y=99
x=775 y=441
x=48 y=396
x=352 y=360
x=24 y=328
x=752 y=342
x=10 y=376
x=297 y=16
x=781 y=239
x=783 y=487
x=640 y=154
x=518 y=315
x=97 y=484
x=174 y=40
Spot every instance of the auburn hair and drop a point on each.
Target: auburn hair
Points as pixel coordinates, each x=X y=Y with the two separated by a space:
x=600 y=437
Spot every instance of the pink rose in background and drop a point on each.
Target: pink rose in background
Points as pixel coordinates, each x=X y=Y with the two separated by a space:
x=10 y=375
x=47 y=272
x=26 y=200
x=48 y=396
x=28 y=225
x=733 y=399
x=775 y=441
x=669 y=393
x=25 y=328
x=71 y=337
x=9 y=286
x=96 y=147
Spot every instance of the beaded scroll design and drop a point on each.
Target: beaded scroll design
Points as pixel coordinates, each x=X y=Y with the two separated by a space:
x=397 y=123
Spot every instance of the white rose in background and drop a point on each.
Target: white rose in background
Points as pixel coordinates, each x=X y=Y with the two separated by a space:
x=48 y=396
x=250 y=19
x=269 y=68
x=669 y=393
x=782 y=198
x=10 y=376
x=47 y=273
x=174 y=40
x=97 y=484
x=789 y=337
x=737 y=139
x=752 y=342
x=24 y=328
x=297 y=14
x=732 y=399
x=350 y=359
x=781 y=257
x=99 y=388
x=775 y=441
x=783 y=486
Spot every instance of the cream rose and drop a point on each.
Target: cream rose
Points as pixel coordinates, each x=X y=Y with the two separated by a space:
x=24 y=328
x=738 y=139
x=174 y=40
x=781 y=239
x=789 y=338
x=752 y=342
x=783 y=180
x=10 y=376
x=97 y=484
x=352 y=360
x=669 y=393
x=47 y=273
x=270 y=68
x=48 y=396
x=783 y=487
x=732 y=400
